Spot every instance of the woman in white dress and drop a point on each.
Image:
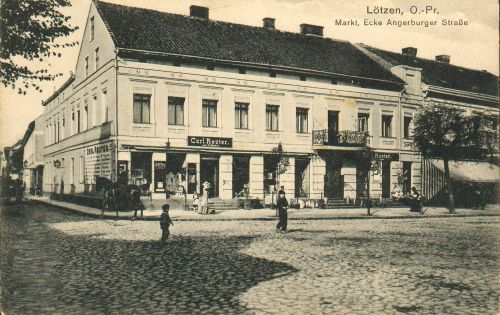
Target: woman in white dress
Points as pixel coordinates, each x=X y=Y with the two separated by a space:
x=204 y=199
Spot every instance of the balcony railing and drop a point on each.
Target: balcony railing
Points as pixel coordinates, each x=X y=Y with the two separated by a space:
x=345 y=138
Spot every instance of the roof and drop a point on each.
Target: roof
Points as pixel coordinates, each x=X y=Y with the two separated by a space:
x=62 y=88
x=155 y=31
x=442 y=74
x=28 y=133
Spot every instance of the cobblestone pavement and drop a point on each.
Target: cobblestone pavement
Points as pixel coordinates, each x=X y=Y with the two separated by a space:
x=54 y=262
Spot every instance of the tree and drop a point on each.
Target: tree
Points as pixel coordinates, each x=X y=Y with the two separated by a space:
x=450 y=133
x=368 y=162
x=279 y=162
x=28 y=32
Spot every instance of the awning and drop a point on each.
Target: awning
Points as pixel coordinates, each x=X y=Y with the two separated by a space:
x=479 y=172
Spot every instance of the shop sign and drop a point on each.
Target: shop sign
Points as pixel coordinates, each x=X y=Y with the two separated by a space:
x=210 y=142
x=98 y=161
x=386 y=156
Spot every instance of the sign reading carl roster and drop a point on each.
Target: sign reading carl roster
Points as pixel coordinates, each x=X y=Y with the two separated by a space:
x=98 y=160
x=210 y=142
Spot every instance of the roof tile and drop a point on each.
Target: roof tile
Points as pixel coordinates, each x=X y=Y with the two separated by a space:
x=154 y=31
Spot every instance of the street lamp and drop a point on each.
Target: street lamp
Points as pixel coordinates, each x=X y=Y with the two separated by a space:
x=167 y=148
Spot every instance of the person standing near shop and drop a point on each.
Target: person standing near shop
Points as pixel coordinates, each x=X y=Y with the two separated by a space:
x=282 y=205
x=204 y=199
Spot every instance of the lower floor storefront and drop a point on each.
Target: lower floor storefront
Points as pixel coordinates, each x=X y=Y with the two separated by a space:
x=182 y=172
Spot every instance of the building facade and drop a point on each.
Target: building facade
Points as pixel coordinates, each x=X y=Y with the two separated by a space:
x=185 y=100
x=442 y=83
x=33 y=161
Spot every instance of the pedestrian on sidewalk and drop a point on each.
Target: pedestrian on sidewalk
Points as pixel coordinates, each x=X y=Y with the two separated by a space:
x=203 y=207
x=281 y=191
x=165 y=222
x=282 y=205
x=415 y=199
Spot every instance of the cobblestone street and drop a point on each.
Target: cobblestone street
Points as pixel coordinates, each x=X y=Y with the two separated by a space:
x=56 y=262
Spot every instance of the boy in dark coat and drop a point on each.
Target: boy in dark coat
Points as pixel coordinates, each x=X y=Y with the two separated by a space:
x=165 y=223
x=283 y=215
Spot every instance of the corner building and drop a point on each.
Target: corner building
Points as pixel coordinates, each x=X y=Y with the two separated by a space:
x=171 y=101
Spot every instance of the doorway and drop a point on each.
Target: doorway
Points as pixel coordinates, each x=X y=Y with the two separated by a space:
x=386 y=179
x=361 y=179
x=241 y=174
x=334 y=179
x=406 y=180
x=301 y=177
x=209 y=172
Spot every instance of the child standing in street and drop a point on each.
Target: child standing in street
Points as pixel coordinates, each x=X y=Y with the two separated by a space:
x=282 y=205
x=165 y=223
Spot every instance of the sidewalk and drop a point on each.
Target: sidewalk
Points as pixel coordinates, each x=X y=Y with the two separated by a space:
x=270 y=214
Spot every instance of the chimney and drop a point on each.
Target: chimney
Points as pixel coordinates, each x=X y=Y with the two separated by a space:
x=443 y=58
x=409 y=51
x=199 y=12
x=269 y=23
x=309 y=29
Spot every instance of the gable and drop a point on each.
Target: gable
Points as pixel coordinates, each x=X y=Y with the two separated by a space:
x=101 y=39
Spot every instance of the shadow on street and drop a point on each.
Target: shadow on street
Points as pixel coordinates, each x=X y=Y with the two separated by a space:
x=44 y=271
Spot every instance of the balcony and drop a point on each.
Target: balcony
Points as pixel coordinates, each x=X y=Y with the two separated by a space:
x=345 y=138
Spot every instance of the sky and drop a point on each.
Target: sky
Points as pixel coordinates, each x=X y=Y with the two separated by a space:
x=473 y=46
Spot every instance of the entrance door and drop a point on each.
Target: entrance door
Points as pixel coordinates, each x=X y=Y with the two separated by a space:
x=333 y=126
x=361 y=180
x=406 y=177
x=241 y=173
x=386 y=179
x=334 y=179
x=209 y=172
x=301 y=177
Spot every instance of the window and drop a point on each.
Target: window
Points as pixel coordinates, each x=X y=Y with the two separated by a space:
x=241 y=115
x=407 y=127
x=104 y=107
x=210 y=67
x=91 y=28
x=78 y=122
x=58 y=131
x=302 y=78
x=63 y=124
x=93 y=111
x=363 y=122
x=272 y=74
x=386 y=125
x=86 y=120
x=175 y=111
x=141 y=108
x=73 y=122
x=272 y=117
x=86 y=66
x=209 y=113
x=301 y=119
x=96 y=58
x=242 y=71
